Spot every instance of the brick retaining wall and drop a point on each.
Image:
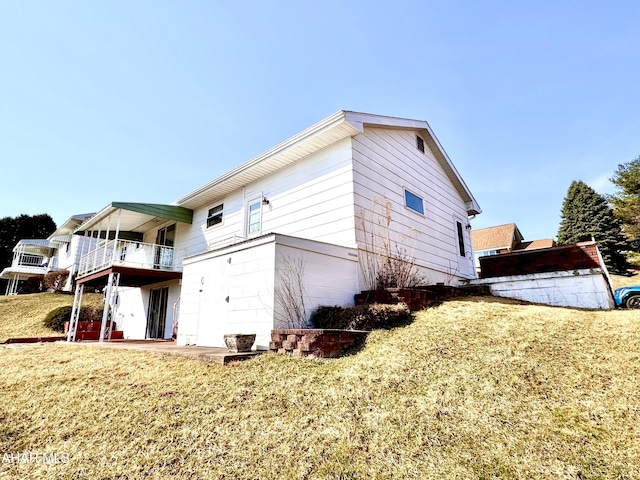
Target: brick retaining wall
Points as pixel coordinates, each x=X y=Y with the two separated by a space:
x=321 y=343
x=554 y=259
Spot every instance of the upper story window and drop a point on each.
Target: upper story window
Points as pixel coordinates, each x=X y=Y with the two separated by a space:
x=413 y=202
x=254 y=218
x=214 y=217
x=419 y=143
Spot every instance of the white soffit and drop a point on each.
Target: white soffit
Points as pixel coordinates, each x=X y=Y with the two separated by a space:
x=315 y=138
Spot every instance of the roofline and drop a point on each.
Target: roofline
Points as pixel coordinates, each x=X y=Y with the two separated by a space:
x=367 y=119
x=77 y=219
x=355 y=123
x=323 y=125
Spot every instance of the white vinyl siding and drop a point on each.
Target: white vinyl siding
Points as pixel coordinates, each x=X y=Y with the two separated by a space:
x=312 y=199
x=386 y=163
x=232 y=290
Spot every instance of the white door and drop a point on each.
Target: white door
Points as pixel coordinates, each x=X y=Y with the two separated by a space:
x=463 y=247
x=214 y=303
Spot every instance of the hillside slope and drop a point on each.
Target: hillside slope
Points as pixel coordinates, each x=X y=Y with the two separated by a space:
x=476 y=388
x=22 y=315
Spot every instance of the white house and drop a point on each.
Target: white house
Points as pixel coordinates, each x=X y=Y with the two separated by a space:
x=311 y=218
x=60 y=251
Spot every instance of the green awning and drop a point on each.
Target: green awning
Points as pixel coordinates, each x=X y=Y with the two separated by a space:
x=135 y=217
x=168 y=212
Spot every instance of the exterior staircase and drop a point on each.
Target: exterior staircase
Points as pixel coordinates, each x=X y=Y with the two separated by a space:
x=91 y=331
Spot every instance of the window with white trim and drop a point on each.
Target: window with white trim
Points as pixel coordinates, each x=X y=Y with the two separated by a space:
x=413 y=202
x=214 y=217
x=419 y=143
x=254 y=218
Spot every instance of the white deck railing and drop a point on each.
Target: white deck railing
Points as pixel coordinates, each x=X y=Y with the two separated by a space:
x=126 y=253
x=35 y=261
x=31 y=260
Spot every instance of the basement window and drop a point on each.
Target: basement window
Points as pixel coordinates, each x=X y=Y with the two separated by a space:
x=214 y=216
x=419 y=143
x=413 y=202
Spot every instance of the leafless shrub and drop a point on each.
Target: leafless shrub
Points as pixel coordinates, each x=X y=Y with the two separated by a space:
x=385 y=263
x=55 y=280
x=290 y=293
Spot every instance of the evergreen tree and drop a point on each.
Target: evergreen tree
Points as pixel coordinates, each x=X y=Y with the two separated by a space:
x=586 y=214
x=626 y=201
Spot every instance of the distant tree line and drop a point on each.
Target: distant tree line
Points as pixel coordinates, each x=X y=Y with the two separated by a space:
x=613 y=221
x=13 y=229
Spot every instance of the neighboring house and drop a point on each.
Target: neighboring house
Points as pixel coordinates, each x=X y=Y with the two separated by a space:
x=306 y=220
x=60 y=251
x=566 y=276
x=503 y=239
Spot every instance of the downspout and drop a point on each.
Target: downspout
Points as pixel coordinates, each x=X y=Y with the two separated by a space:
x=174 y=328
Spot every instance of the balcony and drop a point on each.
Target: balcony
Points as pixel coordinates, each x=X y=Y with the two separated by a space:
x=115 y=237
x=35 y=261
x=30 y=257
x=126 y=253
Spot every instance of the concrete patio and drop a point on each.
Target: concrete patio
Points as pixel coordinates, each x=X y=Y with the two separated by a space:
x=217 y=355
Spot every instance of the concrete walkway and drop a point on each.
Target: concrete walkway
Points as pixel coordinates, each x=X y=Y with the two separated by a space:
x=217 y=355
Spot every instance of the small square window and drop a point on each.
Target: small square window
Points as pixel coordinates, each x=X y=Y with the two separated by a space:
x=413 y=202
x=419 y=143
x=215 y=215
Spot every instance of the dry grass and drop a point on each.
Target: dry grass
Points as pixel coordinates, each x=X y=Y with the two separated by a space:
x=22 y=315
x=624 y=280
x=472 y=389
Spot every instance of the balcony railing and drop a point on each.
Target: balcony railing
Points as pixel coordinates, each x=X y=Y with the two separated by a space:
x=31 y=260
x=42 y=264
x=126 y=253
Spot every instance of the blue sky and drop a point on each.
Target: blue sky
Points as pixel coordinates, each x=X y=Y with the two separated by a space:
x=146 y=100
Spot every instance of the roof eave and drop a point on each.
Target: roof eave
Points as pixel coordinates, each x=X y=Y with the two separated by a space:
x=341 y=124
x=310 y=140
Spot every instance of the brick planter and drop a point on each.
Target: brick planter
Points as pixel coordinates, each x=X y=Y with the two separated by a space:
x=320 y=343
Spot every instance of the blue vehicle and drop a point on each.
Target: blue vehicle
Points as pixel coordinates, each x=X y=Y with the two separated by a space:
x=628 y=297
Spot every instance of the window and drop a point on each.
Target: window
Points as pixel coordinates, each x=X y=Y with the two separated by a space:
x=254 y=219
x=483 y=253
x=461 y=248
x=215 y=215
x=419 y=143
x=413 y=202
